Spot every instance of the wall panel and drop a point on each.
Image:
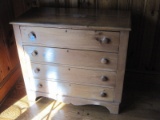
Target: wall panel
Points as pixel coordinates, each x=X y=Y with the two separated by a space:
x=135 y=42
x=124 y=4
x=150 y=23
x=108 y=4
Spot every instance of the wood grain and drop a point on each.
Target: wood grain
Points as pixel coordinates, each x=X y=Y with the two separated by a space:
x=68 y=38
x=59 y=89
x=8 y=51
x=151 y=18
x=5 y=64
x=108 y=4
x=90 y=59
x=10 y=83
x=121 y=65
x=73 y=75
x=76 y=18
x=124 y=4
x=20 y=6
x=21 y=56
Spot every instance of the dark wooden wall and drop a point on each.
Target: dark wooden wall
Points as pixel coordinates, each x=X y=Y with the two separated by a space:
x=9 y=62
x=9 y=9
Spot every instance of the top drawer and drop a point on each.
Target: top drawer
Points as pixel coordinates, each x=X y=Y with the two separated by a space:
x=68 y=38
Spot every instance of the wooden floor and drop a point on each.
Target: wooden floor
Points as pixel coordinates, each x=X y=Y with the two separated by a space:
x=138 y=104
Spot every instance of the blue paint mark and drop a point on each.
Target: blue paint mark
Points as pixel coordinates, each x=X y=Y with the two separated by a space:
x=32 y=38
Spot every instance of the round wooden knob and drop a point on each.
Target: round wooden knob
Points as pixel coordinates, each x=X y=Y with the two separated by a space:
x=37 y=70
x=34 y=53
x=104 y=78
x=103 y=94
x=32 y=36
x=40 y=85
x=105 y=40
x=104 y=61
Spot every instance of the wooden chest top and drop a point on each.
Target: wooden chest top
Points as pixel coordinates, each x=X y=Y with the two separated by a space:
x=76 y=18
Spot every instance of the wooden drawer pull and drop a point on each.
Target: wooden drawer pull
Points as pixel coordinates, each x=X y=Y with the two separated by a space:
x=104 y=61
x=34 y=53
x=32 y=36
x=40 y=85
x=104 y=40
x=37 y=70
x=104 y=78
x=103 y=94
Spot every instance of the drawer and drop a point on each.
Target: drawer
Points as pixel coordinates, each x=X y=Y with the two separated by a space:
x=75 y=39
x=73 y=75
x=73 y=90
x=99 y=60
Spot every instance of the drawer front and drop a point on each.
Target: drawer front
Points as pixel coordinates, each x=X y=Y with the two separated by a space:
x=73 y=75
x=75 y=39
x=74 y=90
x=100 y=60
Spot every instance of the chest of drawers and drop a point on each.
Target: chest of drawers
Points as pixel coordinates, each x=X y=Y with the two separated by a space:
x=74 y=56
